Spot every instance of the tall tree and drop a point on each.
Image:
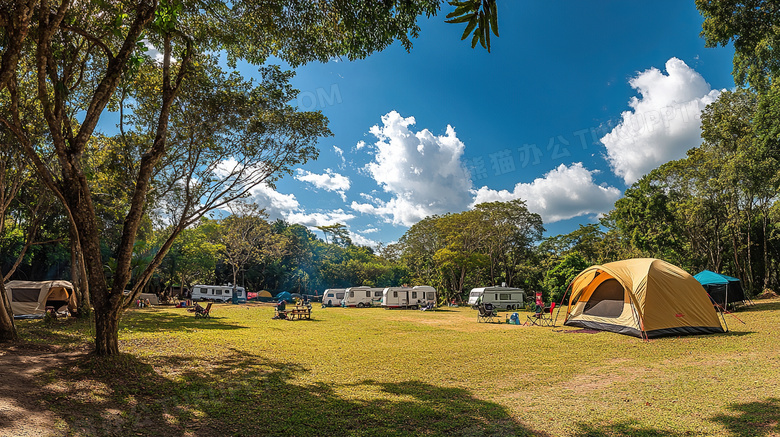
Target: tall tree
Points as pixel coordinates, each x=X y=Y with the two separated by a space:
x=81 y=52
x=245 y=236
x=11 y=179
x=511 y=232
x=752 y=25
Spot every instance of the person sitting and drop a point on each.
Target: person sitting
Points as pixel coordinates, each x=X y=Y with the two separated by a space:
x=281 y=312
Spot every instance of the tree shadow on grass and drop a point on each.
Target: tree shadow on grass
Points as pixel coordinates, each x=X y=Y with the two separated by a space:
x=760 y=305
x=242 y=394
x=754 y=419
x=157 y=321
x=623 y=429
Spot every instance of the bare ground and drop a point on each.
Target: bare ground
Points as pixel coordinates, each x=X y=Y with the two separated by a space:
x=23 y=412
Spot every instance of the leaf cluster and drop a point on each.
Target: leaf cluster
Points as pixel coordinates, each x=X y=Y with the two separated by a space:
x=481 y=17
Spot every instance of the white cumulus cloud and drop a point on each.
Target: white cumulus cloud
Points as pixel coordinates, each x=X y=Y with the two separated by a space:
x=277 y=205
x=361 y=240
x=340 y=153
x=328 y=181
x=561 y=194
x=286 y=207
x=421 y=171
x=320 y=218
x=663 y=123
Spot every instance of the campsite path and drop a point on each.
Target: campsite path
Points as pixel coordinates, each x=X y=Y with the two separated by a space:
x=23 y=412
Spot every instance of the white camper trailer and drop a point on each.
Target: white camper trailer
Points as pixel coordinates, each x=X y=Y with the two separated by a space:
x=333 y=296
x=427 y=295
x=222 y=293
x=505 y=298
x=362 y=297
x=408 y=297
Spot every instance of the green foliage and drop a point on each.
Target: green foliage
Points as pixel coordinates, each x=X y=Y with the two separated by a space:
x=644 y=217
x=301 y=31
x=557 y=279
x=712 y=209
x=488 y=245
x=752 y=26
x=481 y=16
x=193 y=257
x=336 y=233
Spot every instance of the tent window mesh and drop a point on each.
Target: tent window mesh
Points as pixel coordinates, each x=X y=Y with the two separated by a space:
x=606 y=300
x=25 y=294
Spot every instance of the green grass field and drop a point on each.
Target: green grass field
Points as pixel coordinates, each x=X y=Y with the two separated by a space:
x=375 y=372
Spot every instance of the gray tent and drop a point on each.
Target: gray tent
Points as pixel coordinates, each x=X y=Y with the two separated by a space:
x=30 y=298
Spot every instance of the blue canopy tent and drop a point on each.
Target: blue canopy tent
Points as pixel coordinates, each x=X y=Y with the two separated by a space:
x=285 y=296
x=723 y=289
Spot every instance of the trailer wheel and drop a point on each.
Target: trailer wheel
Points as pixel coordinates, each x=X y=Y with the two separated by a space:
x=360 y=305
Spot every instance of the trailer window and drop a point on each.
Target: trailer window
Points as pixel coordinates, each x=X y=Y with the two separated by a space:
x=414 y=295
x=377 y=294
x=351 y=294
x=431 y=295
x=339 y=295
x=217 y=291
x=475 y=293
x=505 y=296
x=395 y=294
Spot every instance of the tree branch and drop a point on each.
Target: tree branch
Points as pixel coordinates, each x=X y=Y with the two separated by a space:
x=96 y=41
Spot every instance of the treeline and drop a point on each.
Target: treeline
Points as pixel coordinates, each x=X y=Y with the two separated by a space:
x=716 y=209
x=290 y=257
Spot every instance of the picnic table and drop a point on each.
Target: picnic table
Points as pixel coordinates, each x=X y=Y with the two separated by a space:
x=297 y=312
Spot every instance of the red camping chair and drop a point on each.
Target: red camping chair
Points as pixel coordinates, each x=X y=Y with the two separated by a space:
x=202 y=312
x=542 y=317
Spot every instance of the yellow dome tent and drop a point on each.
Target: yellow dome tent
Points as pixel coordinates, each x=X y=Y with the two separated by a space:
x=642 y=297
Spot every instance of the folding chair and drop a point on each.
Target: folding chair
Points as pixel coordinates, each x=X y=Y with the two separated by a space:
x=202 y=312
x=542 y=317
x=486 y=313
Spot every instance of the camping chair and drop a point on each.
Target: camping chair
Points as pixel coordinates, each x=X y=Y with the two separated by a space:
x=542 y=316
x=486 y=313
x=202 y=312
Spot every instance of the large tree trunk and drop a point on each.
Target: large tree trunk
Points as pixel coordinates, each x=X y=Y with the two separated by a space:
x=7 y=327
x=79 y=277
x=106 y=300
x=106 y=331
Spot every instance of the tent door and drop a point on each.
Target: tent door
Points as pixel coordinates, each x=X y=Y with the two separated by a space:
x=606 y=300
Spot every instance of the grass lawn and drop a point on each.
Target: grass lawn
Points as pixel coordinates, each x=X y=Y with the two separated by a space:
x=375 y=372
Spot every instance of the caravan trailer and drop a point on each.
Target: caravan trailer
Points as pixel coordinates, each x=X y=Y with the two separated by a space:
x=333 y=296
x=362 y=297
x=223 y=293
x=408 y=297
x=506 y=298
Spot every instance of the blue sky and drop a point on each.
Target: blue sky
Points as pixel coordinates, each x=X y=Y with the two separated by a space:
x=577 y=100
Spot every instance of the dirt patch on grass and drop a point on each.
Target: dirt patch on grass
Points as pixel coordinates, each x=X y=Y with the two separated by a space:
x=22 y=409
